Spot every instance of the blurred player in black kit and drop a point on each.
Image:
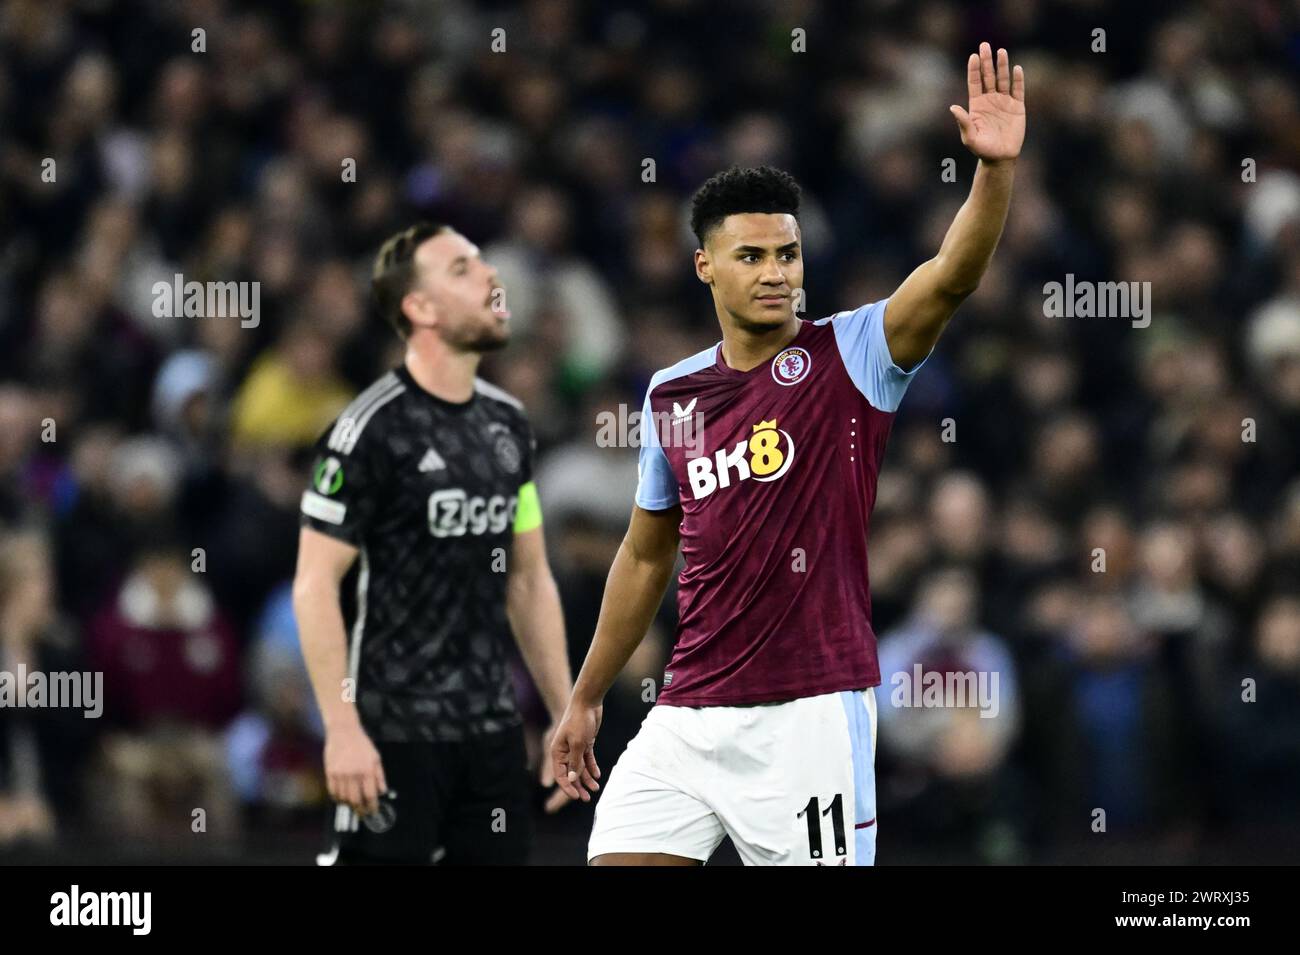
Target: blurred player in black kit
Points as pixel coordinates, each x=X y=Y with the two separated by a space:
x=427 y=478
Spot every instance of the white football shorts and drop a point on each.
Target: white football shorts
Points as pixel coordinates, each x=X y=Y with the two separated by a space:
x=791 y=783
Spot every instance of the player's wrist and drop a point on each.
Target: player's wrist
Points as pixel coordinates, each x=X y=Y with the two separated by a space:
x=1007 y=162
x=343 y=720
x=586 y=697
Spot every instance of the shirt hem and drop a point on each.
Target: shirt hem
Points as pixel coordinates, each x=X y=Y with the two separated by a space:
x=415 y=732
x=754 y=699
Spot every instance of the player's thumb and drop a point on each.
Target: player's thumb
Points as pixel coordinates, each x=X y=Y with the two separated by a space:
x=962 y=117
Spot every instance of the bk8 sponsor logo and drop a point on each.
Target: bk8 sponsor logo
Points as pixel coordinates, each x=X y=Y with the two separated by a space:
x=764 y=457
x=453 y=513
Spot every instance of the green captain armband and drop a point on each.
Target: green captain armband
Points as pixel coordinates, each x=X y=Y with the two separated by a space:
x=528 y=514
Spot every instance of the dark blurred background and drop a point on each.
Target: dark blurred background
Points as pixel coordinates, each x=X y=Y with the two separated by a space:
x=128 y=441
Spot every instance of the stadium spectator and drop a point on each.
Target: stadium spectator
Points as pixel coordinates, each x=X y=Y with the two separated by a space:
x=950 y=710
x=292 y=392
x=1261 y=728
x=273 y=746
x=170 y=664
x=43 y=747
x=1110 y=752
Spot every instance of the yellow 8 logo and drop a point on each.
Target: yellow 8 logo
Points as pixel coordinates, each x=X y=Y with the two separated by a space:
x=767 y=457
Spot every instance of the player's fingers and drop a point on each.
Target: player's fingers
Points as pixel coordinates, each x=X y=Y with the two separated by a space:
x=591 y=761
x=557 y=756
x=358 y=795
x=1018 y=83
x=557 y=801
x=575 y=771
x=369 y=793
x=380 y=778
x=1003 y=71
x=585 y=766
x=561 y=765
x=572 y=786
x=973 y=84
x=987 y=79
x=578 y=766
x=349 y=794
x=333 y=788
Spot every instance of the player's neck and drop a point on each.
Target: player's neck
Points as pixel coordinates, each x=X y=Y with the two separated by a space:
x=444 y=373
x=743 y=349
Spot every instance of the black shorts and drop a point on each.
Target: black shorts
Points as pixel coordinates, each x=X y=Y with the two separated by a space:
x=461 y=803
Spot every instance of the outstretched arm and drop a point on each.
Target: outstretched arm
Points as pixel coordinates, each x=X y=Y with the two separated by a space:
x=993 y=128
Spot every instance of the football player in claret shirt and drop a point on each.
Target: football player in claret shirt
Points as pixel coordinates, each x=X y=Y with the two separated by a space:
x=427 y=479
x=759 y=457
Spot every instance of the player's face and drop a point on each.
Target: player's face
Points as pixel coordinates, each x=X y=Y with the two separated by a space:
x=460 y=295
x=754 y=264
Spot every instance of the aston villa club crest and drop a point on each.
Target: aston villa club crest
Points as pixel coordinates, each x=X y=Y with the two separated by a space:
x=791 y=366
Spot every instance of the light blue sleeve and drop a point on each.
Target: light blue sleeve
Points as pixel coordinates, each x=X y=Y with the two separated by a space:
x=656 y=486
x=860 y=335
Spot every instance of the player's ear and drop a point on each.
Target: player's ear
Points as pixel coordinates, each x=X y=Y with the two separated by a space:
x=703 y=267
x=419 y=309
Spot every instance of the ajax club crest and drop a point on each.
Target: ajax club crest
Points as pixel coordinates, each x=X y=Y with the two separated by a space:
x=505 y=448
x=791 y=366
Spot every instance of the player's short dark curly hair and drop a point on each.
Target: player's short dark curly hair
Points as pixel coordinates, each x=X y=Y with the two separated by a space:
x=395 y=271
x=757 y=189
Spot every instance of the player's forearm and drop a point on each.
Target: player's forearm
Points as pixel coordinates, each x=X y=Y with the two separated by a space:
x=324 y=648
x=633 y=592
x=968 y=247
x=537 y=621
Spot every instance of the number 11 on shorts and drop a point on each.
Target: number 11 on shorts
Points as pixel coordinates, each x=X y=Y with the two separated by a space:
x=836 y=811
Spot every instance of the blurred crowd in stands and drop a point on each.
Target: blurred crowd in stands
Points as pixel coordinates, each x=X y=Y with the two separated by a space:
x=1107 y=516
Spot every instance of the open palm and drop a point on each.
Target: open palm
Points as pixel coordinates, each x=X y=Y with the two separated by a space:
x=993 y=124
